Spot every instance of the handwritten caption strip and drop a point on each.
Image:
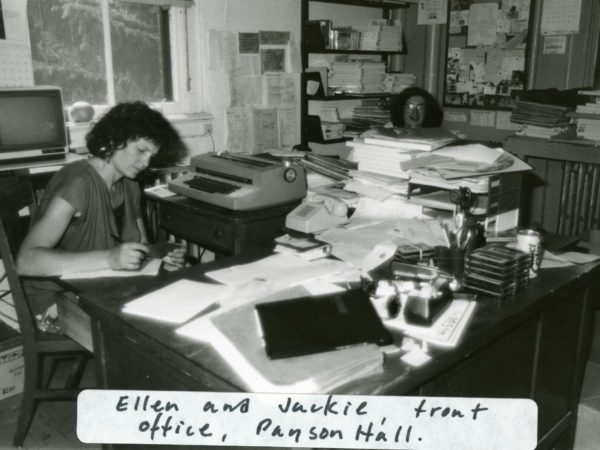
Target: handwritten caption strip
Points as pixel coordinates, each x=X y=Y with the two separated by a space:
x=334 y=421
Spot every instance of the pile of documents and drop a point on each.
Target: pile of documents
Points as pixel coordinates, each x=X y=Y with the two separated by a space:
x=542 y=120
x=381 y=38
x=237 y=336
x=587 y=116
x=383 y=150
x=397 y=82
x=370 y=112
x=357 y=77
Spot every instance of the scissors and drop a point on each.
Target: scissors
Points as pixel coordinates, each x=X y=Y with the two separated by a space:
x=462 y=198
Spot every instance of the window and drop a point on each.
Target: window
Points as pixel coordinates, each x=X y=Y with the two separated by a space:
x=106 y=51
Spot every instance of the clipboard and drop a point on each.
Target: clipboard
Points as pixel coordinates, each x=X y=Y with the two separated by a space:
x=309 y=325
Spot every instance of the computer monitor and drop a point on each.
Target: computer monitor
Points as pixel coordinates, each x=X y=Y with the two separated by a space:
x=32 y=125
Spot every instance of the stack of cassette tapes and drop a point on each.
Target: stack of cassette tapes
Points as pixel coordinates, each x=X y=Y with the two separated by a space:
x=497 y=271
x=413 y=253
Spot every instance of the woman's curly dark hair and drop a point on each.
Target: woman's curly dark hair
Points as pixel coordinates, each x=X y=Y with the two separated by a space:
x=433 y=112
x=134 y=120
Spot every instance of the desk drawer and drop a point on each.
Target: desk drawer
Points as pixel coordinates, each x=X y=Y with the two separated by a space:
x=206 y=232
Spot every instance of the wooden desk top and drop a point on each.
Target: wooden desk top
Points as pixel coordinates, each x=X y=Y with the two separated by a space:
x=104 y=298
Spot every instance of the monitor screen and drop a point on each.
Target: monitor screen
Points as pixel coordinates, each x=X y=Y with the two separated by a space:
x=32 y=123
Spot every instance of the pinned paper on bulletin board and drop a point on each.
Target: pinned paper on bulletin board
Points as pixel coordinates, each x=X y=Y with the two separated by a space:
x=485 y=65
x=560 y=17
x=432 y=12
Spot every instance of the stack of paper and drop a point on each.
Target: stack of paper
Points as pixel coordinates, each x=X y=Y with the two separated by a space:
x=178 y=301
x=236 y=336
x=423 y=139
x=381 y=37
x=587 y=116
x=540 y=114
x=379 y=159
x=357 y=77
x=464 y=161
x=369 y=113
x=397 y=82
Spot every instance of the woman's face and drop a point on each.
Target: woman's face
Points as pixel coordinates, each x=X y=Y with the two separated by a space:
x=134 y=157
x=414 y=112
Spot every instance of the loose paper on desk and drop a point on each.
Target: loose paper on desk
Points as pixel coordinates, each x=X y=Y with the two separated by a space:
x=370 y=211
x=178 y=301
x=150 y=267
x=235 y=335
x=445 y=331
x=281 y=268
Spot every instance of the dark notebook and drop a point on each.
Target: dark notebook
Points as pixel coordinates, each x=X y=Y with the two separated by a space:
x=318 y=324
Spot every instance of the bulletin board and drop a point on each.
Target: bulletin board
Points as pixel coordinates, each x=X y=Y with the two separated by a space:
x=486 y=57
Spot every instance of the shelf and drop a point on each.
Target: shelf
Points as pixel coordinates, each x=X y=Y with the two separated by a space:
x=331 y=98
x=367 y=3
x=331 y=141
x=357 y=52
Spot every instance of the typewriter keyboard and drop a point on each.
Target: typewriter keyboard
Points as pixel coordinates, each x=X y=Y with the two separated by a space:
x=210 y=185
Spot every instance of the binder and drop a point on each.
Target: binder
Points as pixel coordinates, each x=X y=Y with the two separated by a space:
x=310 y=325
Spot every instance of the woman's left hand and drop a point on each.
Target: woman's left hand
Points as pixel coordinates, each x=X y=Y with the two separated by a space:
x=176 y=257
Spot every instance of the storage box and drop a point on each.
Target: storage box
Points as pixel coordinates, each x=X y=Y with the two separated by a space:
x=12 y=364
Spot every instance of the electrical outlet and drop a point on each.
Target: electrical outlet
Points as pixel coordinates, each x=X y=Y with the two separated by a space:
x=207 y=128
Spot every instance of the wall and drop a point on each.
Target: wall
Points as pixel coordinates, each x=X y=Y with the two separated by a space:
x=574 y=68
x=236 y=16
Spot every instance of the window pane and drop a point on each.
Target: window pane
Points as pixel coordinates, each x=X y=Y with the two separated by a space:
x=138 y=33
x=67 y=47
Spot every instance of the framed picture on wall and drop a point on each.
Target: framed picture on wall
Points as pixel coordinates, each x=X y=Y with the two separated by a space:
x=486 y=57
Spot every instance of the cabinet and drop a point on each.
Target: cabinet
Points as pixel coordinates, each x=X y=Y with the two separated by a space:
x=310 y=127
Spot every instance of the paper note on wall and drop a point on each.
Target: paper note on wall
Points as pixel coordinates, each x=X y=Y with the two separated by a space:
x=482 y=24
x=432 y=12
x=239 y=137
x=560 y=16
x=288 y=127
x=15 y=52
x=266 y=130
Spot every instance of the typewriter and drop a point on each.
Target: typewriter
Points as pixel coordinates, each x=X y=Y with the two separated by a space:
x=241 y=182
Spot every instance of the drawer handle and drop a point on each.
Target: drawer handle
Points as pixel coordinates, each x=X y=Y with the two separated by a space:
x=218 y=233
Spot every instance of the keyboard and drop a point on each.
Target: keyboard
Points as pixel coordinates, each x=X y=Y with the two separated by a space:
x=211 y=185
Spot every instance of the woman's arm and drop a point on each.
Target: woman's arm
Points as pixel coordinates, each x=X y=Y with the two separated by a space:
x=38 y=256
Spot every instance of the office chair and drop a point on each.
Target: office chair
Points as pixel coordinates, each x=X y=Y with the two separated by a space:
x=40 y=350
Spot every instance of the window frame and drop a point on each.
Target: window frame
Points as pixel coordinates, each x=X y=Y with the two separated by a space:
x=181 y=79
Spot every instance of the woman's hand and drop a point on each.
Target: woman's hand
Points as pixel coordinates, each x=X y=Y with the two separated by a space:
x=176 y=257
x=128 y=256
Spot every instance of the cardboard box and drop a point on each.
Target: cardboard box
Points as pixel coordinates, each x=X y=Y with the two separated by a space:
x=12 y=364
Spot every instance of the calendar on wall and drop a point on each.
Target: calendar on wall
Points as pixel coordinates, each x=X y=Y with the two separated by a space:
x=15 y=51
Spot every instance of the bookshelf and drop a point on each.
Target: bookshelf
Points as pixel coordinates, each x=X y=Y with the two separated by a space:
x=312 y=45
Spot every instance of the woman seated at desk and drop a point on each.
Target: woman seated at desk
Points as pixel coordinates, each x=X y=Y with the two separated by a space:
x=90 y=216
x=415 y=108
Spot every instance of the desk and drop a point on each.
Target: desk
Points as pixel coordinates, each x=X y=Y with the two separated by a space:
x=532 y=346
x=220 y=230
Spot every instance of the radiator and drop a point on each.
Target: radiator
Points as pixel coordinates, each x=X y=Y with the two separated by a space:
x=579 y=205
